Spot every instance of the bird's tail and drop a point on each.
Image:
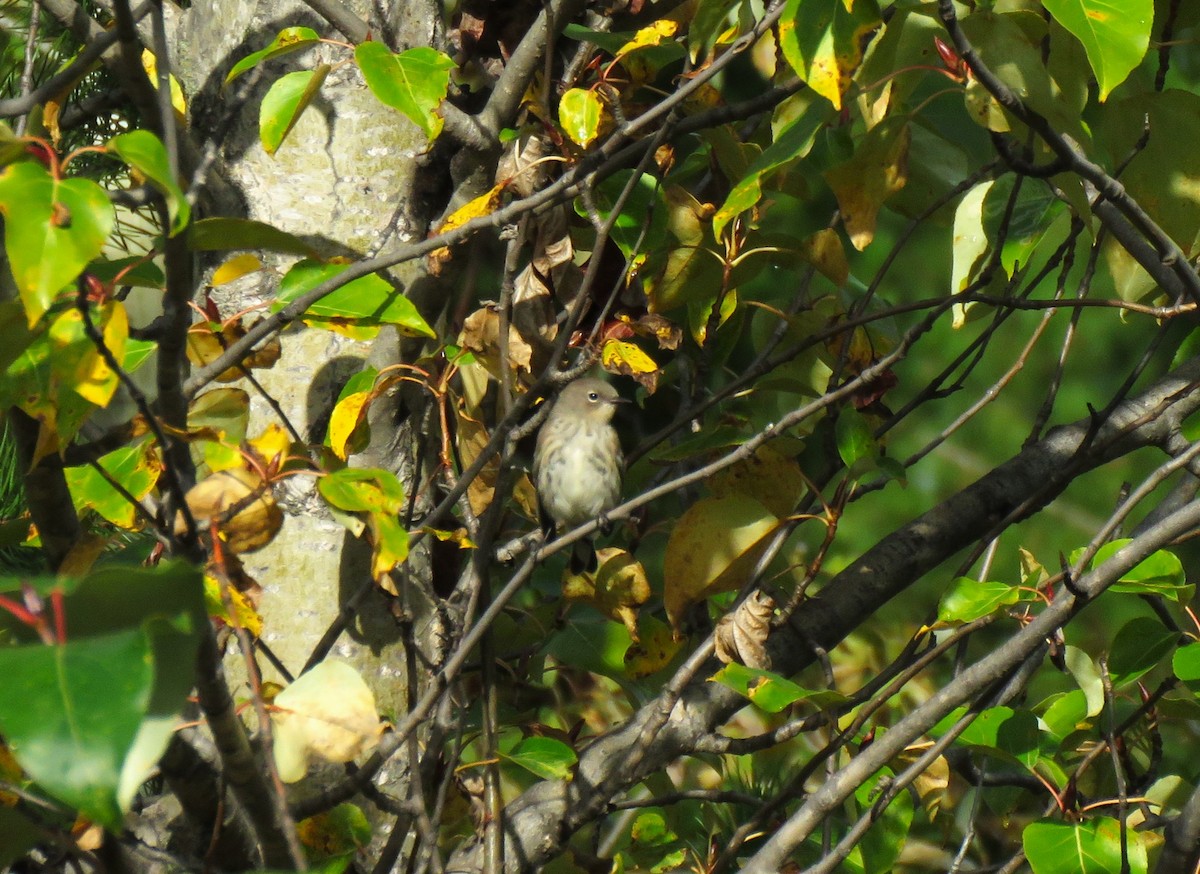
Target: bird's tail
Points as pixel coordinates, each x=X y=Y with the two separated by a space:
x=583 y=557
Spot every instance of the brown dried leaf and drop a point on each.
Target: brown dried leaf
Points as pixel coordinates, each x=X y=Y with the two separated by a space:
x=741 y=636
x=518 y=168
x=481 y=334
x=254 y=525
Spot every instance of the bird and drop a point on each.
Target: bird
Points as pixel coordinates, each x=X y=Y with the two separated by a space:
x=577 y=463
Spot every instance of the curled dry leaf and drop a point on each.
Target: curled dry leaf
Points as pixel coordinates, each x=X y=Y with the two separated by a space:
x=205 y=344
x=518 y=167
x=329 y=712
x=741 y=636
x=481 y=334
x=257 y=519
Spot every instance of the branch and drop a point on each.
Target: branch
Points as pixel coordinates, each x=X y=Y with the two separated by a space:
x=353 y=27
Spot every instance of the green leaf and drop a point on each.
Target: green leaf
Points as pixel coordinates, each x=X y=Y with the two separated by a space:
x=579 y=112
x=824 y=42
x=1067 y=713
x=365 y=489
x=18 y=835
x=881 y=846
x=855 y=437
x=546 y=757
x=144 y=152
x=790 y=144
x=769 y=691
x=368 y=300
x=134 y=467
x=1080 y=664
x=137 y=352
x=1002 y=731
x=52 y=229
x=222 y=234
x=1186 y=662
x=290 y=39
x=1114 y=35
x=225 y=410
x=1092 y=847
x=140 y=273
x=1141 y=644
x=415 y=81
x=283 y=104
x=71 y=712
x=968 y=599
x=1160 y=573
x=970 y=244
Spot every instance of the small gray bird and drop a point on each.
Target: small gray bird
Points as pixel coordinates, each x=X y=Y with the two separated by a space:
x=578 y=462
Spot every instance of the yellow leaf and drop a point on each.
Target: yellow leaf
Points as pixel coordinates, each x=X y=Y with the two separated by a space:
x=653 y=651
x=244 y=615
x=618 y=587
x=876 y=171
x=82 y=556
x=824 y=251
x=712 y=549
x=94 y=380
x=273 y=445
x=178 y=102
x=768 y=476
x=651 y=35
x=627 y=359
x=345 y=418
x=235 y=268
x=484 y=204
x=253 y=526
x=329 y=712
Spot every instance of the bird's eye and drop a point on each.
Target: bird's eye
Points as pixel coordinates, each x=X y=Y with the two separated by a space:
x=593 y=396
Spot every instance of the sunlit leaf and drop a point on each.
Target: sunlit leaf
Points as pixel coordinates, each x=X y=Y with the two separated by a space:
x=824 y=41
x=329 y=712
x=235 y=268
x=135 y=467
x=414 y=81
x=144 y=152
x=968 y=599
x=1115 y=36
x=368 y=299
x=290 y=39
x=284 y=103
x=52 y=229
x=1090 y=847
x=580 y=112
x=713 y=547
